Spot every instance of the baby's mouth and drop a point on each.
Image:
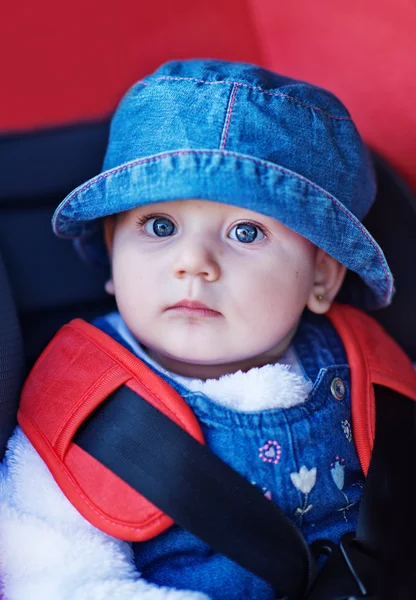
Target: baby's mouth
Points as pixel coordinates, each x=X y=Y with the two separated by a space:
x=195 y=308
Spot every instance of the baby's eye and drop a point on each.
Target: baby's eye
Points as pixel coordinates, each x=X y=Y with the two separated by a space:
x=246 y=233
x=160 y=227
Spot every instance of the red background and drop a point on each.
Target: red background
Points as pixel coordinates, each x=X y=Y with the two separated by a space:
x=70 y=62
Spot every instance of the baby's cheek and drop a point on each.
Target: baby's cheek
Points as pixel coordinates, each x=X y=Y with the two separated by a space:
x=283 y=293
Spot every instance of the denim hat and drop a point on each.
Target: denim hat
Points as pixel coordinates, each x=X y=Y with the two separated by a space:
x=242 y=135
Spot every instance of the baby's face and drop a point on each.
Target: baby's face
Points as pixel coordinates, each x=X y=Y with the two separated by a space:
x=209 y=288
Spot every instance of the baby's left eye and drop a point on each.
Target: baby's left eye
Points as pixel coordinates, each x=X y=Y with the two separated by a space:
x=159 y=227
x=246 y=233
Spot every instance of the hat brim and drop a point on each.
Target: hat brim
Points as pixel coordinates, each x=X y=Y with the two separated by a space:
x=234 y=179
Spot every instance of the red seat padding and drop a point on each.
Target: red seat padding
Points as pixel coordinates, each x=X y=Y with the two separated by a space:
x=68 y=63
x=362 y=51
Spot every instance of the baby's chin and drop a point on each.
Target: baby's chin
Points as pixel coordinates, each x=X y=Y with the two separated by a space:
x=189 y=357
x=206 y=365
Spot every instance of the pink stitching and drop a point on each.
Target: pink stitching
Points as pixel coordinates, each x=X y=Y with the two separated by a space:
x=252 y=87
x=276 y=455
x=235 y=155
x=228 y=117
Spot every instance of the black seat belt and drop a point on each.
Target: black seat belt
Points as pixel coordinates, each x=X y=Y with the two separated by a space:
x=379 y=560
x=198 y=490
x=386 y=529
x=208 y=498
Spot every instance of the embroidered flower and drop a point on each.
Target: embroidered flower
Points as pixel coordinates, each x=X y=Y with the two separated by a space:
x=337 y=472
x=346 y=428
x=338 y=476
x=305 y=480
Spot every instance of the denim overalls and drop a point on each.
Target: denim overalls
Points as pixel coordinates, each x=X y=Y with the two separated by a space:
x=303 y=458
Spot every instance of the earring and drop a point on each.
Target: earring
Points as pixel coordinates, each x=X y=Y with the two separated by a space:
x=319 y=297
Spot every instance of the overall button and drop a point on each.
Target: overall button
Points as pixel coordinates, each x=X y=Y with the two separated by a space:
x=338 y=388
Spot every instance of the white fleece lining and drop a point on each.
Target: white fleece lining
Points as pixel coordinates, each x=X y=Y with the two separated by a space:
x=48 y=551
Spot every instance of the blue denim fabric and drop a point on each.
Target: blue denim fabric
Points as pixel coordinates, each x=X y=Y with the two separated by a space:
x=241 y=135
x=267 y=447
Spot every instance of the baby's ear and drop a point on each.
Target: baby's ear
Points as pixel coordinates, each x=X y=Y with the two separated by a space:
x=109 y=226
x=329 y=275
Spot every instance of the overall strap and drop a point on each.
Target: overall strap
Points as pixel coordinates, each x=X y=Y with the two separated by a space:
x=376 y=562
x=375 y=359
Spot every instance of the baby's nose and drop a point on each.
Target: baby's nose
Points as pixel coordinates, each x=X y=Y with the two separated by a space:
x=197 y=260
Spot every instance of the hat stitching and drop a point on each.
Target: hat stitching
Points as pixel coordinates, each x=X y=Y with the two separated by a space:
x=251 y=87
x=156 y=157
x=228 y=115
x=232 y=154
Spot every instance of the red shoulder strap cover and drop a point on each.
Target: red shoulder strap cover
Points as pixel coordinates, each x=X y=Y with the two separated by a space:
x=374 y=358
x=76 y=372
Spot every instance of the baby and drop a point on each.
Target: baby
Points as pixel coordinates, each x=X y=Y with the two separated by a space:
x=229 y=210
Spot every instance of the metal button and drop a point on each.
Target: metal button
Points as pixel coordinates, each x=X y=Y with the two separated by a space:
x=338 y=388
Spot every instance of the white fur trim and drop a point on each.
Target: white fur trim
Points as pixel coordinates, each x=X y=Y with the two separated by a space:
x=48 y=551
x=271 y=386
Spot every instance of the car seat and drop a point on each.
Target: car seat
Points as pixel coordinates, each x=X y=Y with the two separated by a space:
x=42 y=282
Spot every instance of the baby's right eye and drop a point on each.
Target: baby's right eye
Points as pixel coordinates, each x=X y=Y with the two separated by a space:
x=159 y=226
